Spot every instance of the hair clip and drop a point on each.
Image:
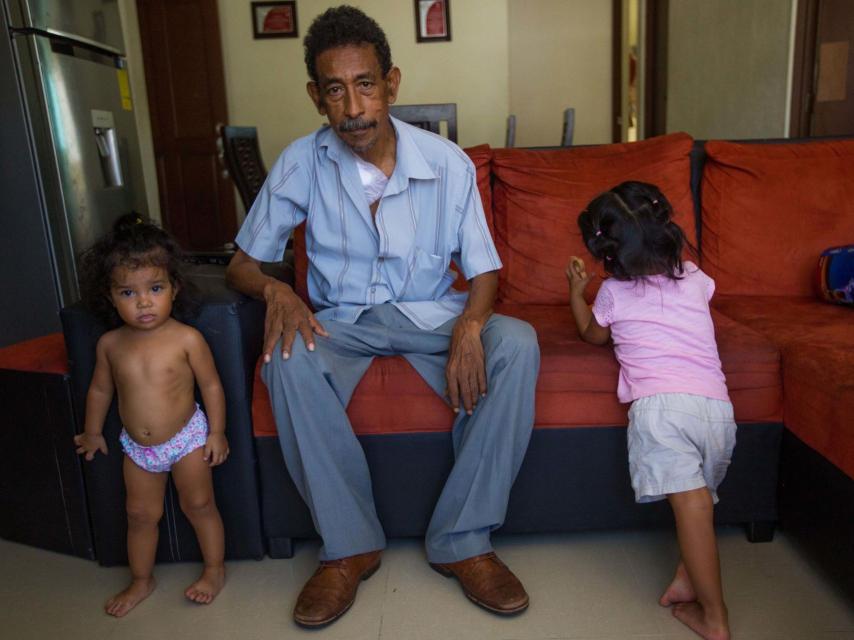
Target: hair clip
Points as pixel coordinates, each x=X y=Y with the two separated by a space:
x=655 y=201
x=608 y=258
x=598 y=232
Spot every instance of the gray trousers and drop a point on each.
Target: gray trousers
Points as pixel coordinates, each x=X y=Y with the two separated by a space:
x=309 y=394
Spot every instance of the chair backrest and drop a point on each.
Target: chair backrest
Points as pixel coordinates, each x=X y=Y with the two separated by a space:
x=428 y=116
x=510 y=136
x=242 y=158
x=568 y=127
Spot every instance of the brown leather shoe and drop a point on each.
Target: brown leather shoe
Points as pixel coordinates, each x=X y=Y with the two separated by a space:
x=488 y=582
x=332 y=589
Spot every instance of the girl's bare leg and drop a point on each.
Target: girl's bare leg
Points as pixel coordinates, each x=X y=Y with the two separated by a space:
x=707 y=616
x=192 y=477
x=144 y=508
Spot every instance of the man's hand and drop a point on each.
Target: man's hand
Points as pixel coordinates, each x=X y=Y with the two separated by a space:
x=286 y=315
x=466 y=369
x=89 y=444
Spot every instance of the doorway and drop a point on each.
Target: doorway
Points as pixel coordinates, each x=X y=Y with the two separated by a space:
x=823 y=73
x=639 y=69
x=182 y=56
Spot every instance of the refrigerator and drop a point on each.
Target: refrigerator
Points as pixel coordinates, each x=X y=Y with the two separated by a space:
x=69 y=152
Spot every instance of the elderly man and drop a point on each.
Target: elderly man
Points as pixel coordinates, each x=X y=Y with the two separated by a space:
x=387 y=207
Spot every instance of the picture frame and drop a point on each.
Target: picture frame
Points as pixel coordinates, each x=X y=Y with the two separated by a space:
x=274 y=19
x=432 y=20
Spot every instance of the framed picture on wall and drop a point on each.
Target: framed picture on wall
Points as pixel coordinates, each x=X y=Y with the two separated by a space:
x=274 y=19
x=432 y=21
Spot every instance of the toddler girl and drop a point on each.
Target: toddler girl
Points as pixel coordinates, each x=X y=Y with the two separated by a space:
x=131 y=277
x=681 y=432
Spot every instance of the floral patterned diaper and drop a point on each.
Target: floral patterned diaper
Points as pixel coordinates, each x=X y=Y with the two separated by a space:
x=159 y=458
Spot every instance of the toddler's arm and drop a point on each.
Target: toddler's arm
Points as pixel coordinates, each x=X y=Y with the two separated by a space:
x=202 y=364
x=589 y=330
x=98 y=401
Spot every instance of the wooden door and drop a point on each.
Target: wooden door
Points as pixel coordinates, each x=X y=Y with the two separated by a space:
x=186 y=94
x=823 y=80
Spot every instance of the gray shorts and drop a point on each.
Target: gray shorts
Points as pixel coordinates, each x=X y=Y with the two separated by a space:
x=679 y=442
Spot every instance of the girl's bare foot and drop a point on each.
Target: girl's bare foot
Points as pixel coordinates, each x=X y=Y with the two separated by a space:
x=680 y=590
x=206 y=588
x=121 y=603
x=694 y=617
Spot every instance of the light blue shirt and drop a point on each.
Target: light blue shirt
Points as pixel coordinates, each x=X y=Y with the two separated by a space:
x=429 y=215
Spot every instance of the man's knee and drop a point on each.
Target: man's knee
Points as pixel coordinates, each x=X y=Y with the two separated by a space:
x=513 y=338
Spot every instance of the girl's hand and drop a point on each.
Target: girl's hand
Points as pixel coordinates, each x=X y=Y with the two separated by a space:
x=216 y=449
x=577 y=275
x=90 y=444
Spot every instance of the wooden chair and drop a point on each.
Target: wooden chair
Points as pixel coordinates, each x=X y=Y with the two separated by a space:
x=428 y=116
x=242 y=159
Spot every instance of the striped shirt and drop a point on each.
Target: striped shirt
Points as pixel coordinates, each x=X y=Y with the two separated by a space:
x=429 y=215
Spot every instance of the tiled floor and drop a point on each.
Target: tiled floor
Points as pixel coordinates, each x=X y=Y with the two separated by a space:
x=592 y=585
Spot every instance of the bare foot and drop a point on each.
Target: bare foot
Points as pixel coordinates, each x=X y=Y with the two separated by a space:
x=206 y=588
x=121 y=603
x=680 y=590
x=692 y=615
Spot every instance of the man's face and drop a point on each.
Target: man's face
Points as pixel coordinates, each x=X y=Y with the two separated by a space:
x=353 y=94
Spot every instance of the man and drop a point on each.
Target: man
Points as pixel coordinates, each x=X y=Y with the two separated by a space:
x=387 y=207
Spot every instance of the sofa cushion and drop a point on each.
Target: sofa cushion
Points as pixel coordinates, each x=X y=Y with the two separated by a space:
x=791 y=320
x=537 y=196
x=44 y=355
x=819 y=382
x=770 y=209
x=481 y=157
x=576 y=385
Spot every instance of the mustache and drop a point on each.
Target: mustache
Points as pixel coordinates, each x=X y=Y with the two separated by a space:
x=356 y=124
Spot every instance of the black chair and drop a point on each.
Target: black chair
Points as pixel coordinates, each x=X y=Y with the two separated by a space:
x=568 y=127
x=242 y=159
x=428 y=116
x=510 y=135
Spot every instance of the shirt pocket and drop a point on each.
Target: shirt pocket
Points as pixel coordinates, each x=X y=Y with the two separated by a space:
x=426 y=277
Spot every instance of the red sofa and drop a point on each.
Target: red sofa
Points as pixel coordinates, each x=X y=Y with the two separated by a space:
x=741 y=222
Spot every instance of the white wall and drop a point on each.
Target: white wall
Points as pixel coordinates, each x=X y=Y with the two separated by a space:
x=265 y=79
x=728 y=68
x=560 y=56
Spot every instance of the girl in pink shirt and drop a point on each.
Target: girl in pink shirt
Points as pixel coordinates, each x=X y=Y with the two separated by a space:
x=655 y=307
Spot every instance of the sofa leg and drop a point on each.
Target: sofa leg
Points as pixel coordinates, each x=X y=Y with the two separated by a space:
x=762 y=531
x=281 y=547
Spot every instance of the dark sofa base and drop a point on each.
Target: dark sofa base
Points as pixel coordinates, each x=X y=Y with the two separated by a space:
x=571 y=479
x=817 y=510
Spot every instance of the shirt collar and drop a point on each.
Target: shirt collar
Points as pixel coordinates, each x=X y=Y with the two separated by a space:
x=409 y=163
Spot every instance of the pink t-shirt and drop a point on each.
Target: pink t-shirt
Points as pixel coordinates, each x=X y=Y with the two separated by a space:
x=663 y=335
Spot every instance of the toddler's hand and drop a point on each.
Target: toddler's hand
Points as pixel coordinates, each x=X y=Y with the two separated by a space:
x=216 y=449
x=90 y=444
x=577 y=275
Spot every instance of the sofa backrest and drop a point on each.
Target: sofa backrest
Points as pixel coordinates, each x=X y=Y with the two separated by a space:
x=768 y=210
x=538 y=194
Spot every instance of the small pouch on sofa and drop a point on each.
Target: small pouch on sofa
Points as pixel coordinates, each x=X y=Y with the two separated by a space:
x=836 y=275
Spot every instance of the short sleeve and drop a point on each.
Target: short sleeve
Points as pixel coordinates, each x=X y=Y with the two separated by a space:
x=279 y=207
x=603 y=306
x=710 y=287
x=477 y=253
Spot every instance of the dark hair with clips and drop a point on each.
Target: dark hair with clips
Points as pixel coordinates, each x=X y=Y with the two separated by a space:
x=133 y=244
x=630 y=230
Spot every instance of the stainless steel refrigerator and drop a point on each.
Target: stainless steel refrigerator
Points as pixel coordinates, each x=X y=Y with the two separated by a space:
x=69 y=153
